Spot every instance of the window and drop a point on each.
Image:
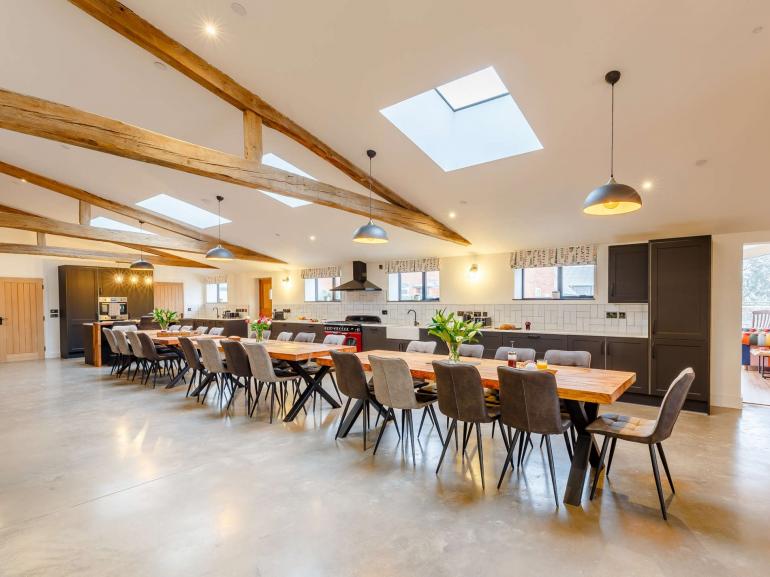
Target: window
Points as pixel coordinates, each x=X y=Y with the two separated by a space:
x=216 y=292
x=181 y=210
x=413 y=286
x=465 y=122
x=572 y=282
x=320 y=289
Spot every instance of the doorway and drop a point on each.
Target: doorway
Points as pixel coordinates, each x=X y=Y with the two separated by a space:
x=170 y=295
x=265 y=292
x=755 y=324
x=22 y=337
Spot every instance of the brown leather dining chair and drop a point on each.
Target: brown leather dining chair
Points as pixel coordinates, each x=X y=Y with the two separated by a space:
x=529 y=403
x=352 y=381
x=645 y=431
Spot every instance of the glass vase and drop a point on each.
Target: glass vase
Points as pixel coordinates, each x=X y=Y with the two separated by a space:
x=454 y=351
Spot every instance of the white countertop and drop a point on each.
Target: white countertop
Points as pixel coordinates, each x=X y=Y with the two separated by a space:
x=583 y=333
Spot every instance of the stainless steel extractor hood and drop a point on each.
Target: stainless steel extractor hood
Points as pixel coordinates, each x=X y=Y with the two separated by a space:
x=359 y=282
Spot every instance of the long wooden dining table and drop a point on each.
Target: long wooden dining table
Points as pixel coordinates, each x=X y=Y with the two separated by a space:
x=582 y=389
x=295 y=354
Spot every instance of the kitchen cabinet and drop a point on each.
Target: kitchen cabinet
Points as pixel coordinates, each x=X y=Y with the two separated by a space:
x=374 y=338
x=630 y=354
x=441 y=348
x=540 y=342
x=680 y=314
x=492 y=341
x=593 y=344
x=77 y=305
x=628 y=273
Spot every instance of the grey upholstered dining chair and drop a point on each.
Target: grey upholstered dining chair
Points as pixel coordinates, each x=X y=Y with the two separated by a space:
x=186 y=329
x=334 y=340
x=394 y=389
x=265 y=335
x=174 y=328
x=215 y=368
x=284 y=336
x=522 y=354
x=156 y=360
x=428 y=347
x=126 y=355
x=304 y=338
x=136 y=349
x=529 y=403
x=217 y=331
x=114 y=351
x=469 y=350
x=645 y=431
x=568 y=358
x=193 y=359
x=239 y=371
x=201 y=330
x=461 y=398
x=266 y=375
x=352 y=382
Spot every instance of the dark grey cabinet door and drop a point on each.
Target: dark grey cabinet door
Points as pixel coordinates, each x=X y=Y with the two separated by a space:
x=628 y=273
x=278 y=327
x=441 y=348
x=540 y=342
x=680 y=313
x=630 y=354
x=373 y=338
x=491 y=341
x=78 y=303
x=592 y=344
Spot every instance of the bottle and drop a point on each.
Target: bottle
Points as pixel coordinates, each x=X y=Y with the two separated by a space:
x=512 y=359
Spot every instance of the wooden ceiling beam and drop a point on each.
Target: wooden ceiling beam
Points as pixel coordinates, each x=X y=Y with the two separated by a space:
x=65 y=252
x=38 y=117
x=252 y=136
x=139 y=31
x=132 y=212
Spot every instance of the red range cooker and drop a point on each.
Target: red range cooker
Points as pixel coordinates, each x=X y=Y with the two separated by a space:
x=351 y=328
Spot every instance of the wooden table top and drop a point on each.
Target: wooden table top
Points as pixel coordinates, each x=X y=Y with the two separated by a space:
x=573 y=383
x=281 y=350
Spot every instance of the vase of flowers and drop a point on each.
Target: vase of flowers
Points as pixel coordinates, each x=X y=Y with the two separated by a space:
x=260 y=326
x=454 y=331
x=163 y=317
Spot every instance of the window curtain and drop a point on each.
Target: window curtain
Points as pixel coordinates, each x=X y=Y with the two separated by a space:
x=321 y=272
x=413 y=265
x=563 y=256
x=216 y=279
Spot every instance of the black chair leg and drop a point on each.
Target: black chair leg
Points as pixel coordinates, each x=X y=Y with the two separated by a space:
x=612 y=453
x=553 y=471
x=569 y=445
x=422 y=420
x=364 y=422
x=481 y=454
x=598 y=471
x=411 y=433
x=657 y=482
x=665 y=466
x=508 y=458
x=434 y=418
x=452 y=428
x=467 y=430
x=342 y=418
x=385 y=420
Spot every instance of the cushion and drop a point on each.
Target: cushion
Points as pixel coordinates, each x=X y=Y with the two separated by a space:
x=622 y=427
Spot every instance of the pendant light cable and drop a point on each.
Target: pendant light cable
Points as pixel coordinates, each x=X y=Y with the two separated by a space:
x=612 y=133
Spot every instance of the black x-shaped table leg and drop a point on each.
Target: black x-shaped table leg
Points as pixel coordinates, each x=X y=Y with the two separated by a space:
x=354 y=411
x=581 y=414
x=313 y=385
x=179 y=376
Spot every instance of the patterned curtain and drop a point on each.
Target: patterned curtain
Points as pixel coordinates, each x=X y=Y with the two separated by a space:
x=215 y=279
x=321 y=272
x=413 y=265
x=563 y=256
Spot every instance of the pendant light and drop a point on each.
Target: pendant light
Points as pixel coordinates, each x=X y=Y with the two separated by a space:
x=612 y=198
x=141 y=264
x=370 y=233
x=219 y=252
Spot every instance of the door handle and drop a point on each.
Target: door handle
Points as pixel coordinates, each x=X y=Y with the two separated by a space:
x=1 y=320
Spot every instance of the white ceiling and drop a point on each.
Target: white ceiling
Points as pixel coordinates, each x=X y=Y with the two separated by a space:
x=696 y=85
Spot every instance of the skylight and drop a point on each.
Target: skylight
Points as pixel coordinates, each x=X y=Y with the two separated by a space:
x=469 y=121
x=271 y=159
x=108 y=223
x=473 y=89
x=181 y=210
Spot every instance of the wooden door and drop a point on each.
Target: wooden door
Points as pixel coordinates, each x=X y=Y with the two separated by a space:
x=265 y=297
x=21 y=310
x=170 y=295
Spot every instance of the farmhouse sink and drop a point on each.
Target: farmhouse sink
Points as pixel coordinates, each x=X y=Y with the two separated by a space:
x=403 y=333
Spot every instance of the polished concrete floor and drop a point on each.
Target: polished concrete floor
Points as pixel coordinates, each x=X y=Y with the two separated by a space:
x=100 y=477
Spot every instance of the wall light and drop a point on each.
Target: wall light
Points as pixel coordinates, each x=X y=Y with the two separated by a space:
x=134 y=279
x=286 y=281
x=118 y=279
x=148 y=280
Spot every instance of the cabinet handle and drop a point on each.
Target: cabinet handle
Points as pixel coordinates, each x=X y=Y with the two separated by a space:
x=612 y=289
x=533 y=336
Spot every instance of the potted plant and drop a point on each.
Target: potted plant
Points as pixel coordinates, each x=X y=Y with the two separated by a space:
x=163 y=317
x=260 y=326
x=454 y=331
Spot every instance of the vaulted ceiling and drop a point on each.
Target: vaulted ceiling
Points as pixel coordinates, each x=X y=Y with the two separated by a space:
x=692 y=113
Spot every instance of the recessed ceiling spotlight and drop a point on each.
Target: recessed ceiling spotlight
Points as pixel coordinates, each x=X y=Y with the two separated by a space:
x=159 y=65
x=647 y=185
x=312 y=237
x=452 y=214
x=757 y=29
x=277 y=234
x=210 y=29
x=23 y=180
x=701 y=161
x=238 y=8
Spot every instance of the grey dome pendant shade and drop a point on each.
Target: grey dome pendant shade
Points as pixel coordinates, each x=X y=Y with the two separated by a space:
x=219 y=252
x=612 y=198
x=141 y=264
x=370 y=233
